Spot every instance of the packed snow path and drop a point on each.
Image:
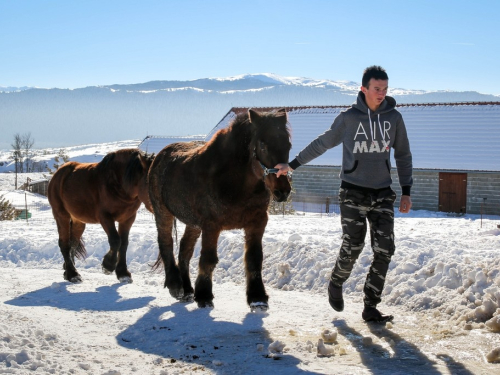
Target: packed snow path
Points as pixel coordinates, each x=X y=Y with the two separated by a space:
x=443 y=288
x=103 y=327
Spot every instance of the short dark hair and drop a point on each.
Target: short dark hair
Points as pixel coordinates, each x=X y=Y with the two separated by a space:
x=374 y=71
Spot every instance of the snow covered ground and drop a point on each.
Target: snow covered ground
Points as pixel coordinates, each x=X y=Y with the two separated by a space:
x=442 y=287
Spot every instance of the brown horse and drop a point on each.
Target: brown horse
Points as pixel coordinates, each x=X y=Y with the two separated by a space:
x=223 y=184
x=105 y=192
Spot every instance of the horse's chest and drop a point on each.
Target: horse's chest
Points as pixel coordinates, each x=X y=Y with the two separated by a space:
x=231 y=213
x=221 y=210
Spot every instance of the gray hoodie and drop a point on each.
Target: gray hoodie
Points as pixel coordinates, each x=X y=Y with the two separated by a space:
x=367 y=139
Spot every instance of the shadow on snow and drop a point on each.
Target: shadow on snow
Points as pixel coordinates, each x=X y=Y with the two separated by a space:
x=104 y=298
x=406 y=359
x=178 y=333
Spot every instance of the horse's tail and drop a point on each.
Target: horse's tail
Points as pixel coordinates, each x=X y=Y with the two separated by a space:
x=78 y=249
x=77 y=245
x=159 y=261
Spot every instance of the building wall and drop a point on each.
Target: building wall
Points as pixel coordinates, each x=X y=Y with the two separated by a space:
x=425 y=190
x=483 y=185
x=316 y=184
x=39 y=188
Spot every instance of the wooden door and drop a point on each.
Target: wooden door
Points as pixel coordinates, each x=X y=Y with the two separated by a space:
x=452 y=192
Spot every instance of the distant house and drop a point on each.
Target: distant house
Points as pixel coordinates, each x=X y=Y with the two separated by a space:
x=455 y=147
x=155 y=143
x=37 y=187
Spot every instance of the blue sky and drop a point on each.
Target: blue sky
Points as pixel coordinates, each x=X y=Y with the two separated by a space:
x=429 y=45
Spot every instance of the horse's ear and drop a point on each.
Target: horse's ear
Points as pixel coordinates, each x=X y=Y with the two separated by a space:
x=253 y=116
x=281 y=113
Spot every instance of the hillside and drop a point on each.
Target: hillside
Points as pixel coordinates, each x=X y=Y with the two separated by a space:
x=88 y=153
x=61 y=117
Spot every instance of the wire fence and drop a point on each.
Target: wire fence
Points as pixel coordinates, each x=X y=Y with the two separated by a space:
x=40 y=211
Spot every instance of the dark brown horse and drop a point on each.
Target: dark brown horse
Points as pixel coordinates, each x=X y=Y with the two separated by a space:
x=105 y=192
x=223 y=184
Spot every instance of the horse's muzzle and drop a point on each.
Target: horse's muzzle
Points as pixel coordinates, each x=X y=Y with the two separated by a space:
x=280 y=195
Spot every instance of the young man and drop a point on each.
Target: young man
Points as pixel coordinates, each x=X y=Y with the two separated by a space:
x=368 y=130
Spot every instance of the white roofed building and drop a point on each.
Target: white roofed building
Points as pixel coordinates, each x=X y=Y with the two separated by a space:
x=455 y=148
x=153 y=144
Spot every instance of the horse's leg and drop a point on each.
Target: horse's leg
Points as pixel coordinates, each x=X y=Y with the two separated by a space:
x=256 y=293
x=208 y=260
x=186 y=249
x=164 y=224
x=111 y=258
x=122 y=273
x=63 y=222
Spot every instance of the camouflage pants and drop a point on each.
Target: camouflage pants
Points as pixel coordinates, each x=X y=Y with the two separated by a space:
x=355 y=207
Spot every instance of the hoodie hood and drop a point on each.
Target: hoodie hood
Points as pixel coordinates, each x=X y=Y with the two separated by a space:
x=387 y=105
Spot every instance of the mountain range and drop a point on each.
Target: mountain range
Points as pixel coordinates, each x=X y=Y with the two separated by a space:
x=63 y=117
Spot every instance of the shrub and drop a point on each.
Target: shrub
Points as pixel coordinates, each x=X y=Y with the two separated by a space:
x=7 y=210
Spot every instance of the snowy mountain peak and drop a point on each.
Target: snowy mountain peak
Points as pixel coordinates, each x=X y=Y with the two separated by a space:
x=264 y=77
x=272 y=79
x=243 y=82
x=93 y=114
x=14 y=89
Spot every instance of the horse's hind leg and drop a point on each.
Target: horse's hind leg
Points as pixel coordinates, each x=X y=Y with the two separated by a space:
x=122 y=273
x=110 y=260
x=64 y=229
x=256 y=293
x=208 y=260
x=164 y=224
x=186 y=249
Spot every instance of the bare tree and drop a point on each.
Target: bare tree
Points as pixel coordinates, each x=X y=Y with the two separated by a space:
x=61 y=158
x=17 y=154
x=28 y=142
x=38 y=166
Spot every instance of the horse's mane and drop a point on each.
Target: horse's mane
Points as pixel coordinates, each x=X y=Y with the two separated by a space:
x=134 y=168
x=243 y=118
x=239 y=129
x=106 y=161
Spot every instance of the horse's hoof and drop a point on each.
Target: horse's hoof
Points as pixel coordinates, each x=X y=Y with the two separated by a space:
x=259 y=306
x=76 y=279
x=188 y=298
x=125 y=279
x=106 y=272
x=206 y=304
x=177 y=293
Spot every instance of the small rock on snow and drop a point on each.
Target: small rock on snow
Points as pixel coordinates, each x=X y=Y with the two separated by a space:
x=324 y=350
x=295 y=237
x=276 y=347
x=494 y=355
x=329 y=336
x=494 y=323
x=367 y=340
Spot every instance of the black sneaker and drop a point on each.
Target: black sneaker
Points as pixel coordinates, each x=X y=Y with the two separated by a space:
x=335 y=297
x=371 y=314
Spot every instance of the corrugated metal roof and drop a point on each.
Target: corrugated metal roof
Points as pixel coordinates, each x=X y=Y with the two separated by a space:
x=155 y=143
x=454 y=136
